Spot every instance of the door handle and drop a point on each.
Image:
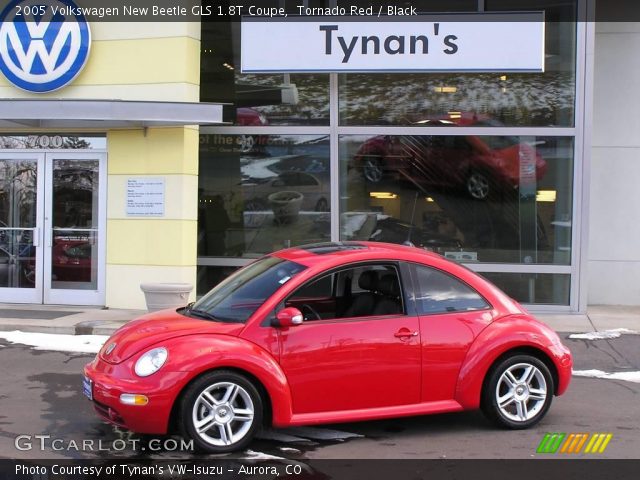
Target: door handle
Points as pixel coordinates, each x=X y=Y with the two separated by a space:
x=405 y=333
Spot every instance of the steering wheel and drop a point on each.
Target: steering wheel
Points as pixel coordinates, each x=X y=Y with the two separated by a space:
x=311 y=310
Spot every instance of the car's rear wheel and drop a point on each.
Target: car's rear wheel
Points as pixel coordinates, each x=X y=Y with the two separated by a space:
x=372 y=169
x=221 y=411
x=518 y=392
x=478 y=185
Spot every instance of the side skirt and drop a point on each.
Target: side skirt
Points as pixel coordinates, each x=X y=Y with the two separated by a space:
x=442 y=406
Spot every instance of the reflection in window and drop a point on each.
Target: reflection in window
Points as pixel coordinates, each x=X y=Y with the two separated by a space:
x=508 y=99
x=470 y=198
x=257 y=99
x=263 y=194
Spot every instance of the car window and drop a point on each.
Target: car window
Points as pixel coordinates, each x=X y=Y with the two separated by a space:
x=359 y=291
x=439 y=292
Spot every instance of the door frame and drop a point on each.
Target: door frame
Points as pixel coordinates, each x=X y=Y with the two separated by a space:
x=30 y=295
x=71 y=296
x=43 y=293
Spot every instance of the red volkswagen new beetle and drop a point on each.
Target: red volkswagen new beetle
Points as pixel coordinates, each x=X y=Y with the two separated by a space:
x=331 y=332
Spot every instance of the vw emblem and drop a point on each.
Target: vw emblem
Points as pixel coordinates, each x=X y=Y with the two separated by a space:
x=110 y=348
x=44 y=44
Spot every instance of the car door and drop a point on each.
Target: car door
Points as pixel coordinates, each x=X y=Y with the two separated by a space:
x=452 y=314
x=349 y=361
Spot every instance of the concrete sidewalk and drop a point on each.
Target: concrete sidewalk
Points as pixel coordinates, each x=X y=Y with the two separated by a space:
x=97 y=321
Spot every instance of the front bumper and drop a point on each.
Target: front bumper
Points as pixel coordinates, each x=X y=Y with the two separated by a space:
x=110 y=381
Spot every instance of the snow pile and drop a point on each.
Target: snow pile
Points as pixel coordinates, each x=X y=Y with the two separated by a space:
x=626 y=376
x=604 y=334
x=57 y=342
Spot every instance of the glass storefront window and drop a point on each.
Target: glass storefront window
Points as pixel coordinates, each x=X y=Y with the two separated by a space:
x=470 y=198
x=259 y=193
x=475 y=99
x=257 y=99
x=533 y=288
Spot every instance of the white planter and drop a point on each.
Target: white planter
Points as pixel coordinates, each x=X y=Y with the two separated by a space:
x=285 y=206
x=165 y=295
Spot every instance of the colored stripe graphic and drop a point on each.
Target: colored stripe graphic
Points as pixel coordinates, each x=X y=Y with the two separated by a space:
x=572 y=443
x=551 y=442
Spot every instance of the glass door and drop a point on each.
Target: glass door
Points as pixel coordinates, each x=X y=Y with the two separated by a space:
x=74 y=254
x=21 y=209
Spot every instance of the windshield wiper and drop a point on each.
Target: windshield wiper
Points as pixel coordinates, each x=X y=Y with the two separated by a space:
x=199 y=313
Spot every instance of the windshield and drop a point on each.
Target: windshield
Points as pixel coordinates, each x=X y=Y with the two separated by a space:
x=238 y=296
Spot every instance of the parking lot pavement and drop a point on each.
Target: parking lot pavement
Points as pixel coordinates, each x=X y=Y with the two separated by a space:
x=42 y=396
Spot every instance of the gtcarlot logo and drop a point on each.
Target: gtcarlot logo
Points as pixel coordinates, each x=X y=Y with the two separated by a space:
x=45 y=442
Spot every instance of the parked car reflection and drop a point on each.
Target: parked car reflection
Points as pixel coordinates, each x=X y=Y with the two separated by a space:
x=477 y=164
x=314 y=190
x=71 y=260
x=384 y=228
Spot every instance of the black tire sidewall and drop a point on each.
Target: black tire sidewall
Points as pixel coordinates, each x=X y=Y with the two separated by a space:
x=489 y=401
x=193 y=391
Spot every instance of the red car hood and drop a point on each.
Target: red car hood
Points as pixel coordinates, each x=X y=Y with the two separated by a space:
x=157 y=327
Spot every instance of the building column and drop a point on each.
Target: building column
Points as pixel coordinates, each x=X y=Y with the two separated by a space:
x=155 y=249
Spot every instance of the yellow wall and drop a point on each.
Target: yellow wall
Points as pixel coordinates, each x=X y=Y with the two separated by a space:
x=151 y=249
x=134 y=61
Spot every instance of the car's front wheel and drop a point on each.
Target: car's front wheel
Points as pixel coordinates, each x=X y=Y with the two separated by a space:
x=518 y=392
x=221 y=411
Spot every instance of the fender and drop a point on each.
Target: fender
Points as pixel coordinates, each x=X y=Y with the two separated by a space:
x=197 y=354
x=510 y=332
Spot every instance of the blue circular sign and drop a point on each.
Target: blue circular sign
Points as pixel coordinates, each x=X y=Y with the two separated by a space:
x=44 y=45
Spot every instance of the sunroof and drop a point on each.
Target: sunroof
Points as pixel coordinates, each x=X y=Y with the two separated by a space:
x=331 y=247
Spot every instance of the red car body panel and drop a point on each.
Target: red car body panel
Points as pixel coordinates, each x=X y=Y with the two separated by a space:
x=325 y=370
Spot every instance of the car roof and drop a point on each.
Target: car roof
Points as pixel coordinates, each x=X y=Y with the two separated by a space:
x=333 y=253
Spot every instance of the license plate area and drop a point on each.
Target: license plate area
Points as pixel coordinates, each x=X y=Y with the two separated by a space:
x=87 y=387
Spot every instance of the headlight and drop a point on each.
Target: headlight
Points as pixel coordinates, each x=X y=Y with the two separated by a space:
x=151 y=361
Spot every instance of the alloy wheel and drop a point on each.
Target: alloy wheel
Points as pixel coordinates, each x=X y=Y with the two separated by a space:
x=478 y=186
x=521 y=392
x=223 y=414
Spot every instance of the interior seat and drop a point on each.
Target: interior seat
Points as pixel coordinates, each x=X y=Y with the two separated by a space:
x=364 y=303
x=389 y=302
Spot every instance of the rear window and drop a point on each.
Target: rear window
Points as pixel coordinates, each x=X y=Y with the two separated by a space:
x=439 y=292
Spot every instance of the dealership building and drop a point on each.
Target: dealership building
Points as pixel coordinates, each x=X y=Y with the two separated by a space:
x=135 y=152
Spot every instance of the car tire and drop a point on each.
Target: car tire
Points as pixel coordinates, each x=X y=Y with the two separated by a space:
x=372 y=169
x=221 y=412
x=517 y=392
x=478 y=185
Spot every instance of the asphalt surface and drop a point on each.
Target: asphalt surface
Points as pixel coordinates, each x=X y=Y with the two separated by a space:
x=41 y=395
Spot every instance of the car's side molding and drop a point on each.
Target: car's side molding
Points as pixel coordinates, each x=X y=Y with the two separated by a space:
x=508 y=333
x=203 y=353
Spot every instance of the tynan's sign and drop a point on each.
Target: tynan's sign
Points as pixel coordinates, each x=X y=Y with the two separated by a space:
x=484 y=42
x=43 y=44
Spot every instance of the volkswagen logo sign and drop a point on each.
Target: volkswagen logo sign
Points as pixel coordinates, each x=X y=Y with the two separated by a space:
x=44 y=44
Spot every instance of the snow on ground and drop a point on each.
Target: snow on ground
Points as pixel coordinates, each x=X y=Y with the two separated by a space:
x=260 y=456
x=321 y=433
x=604 y=334
x=57 y=342
x=626 y=376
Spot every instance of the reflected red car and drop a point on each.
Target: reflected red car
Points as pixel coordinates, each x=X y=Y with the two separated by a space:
x=71 y=260
x=326 y=333
x=475 y=163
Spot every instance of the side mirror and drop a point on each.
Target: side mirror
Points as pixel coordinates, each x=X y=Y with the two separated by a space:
x=289 y=317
